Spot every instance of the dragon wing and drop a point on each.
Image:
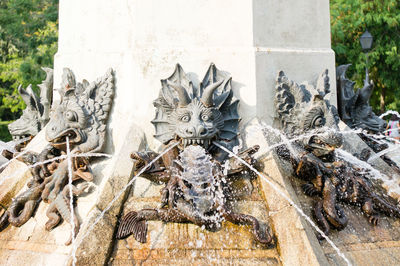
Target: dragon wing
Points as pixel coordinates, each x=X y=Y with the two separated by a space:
x=102 y=93
x=288 y=99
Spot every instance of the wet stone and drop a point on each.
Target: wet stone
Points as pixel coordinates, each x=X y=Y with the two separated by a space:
x=180 y=244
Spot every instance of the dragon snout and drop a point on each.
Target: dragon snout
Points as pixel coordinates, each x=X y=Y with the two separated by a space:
x=195 y=131
x=333 y=139
x=23 y=128
x=196 y=134
x=325 y=142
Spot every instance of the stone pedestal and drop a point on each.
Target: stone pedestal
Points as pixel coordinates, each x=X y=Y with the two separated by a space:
x=142 y=41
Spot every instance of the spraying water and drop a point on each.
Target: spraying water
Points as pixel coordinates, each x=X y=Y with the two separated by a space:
x=280 y=192
x=391 y=184
x=390 y=112
x=71 y=204
x=100 y=216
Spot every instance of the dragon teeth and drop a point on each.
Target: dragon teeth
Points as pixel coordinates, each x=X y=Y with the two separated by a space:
x=187 y=142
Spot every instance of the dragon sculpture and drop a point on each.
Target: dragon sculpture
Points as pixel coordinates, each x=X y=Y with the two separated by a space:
x=354 y=108
x=35 y=116
x=196 y=188
x=79 y=121
x=355 y=111
x=302 y=110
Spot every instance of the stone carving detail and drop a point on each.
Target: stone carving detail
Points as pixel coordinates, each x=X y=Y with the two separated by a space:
x=196 y=190
x=302 y=109
x=36 y=114
x=81 y=118
x=354 y=108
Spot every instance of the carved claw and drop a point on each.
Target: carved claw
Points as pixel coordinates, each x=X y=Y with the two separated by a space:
x=235 y=166
x=156 y=172
x=374 y=220
x=83 y=174
x=310 y=190
x=141 y=159
x=132 y=224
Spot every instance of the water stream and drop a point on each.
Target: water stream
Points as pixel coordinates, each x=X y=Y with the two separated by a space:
x=283 y=140
x=71 y=197
x=119 y=194
x=291 y=202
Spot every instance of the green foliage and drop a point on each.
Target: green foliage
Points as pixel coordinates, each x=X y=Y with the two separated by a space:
x=349 y=19
x=4 y=133
x=28 y=41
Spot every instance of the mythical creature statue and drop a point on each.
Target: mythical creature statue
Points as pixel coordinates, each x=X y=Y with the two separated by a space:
x=36 y=114
x=354 y=108
x=79 y=121
x=305 y=115
x=34 y=117
x=197 y=190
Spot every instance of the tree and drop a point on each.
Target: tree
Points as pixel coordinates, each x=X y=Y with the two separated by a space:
x=28 y=41
x=349 y=19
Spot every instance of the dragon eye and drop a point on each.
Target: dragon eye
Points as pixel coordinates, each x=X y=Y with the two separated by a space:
x=185 y=118
x=71 y=116
x=205 y=117
x=318 y=121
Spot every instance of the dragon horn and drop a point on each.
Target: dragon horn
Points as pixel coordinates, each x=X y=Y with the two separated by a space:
x=184 y=98
x=206 y=98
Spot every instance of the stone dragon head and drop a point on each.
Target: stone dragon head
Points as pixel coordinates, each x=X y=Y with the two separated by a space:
x=196 y=115
x=36 y=114
x=82 y=113
x=354 y=108
x=303 y=110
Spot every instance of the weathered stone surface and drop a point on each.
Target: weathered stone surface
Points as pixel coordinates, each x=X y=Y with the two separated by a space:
x=16 y=174
x=95 y=240
x=297 y=243
x=12 y=179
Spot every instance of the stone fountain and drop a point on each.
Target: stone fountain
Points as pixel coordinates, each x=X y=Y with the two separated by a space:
x=192 y=168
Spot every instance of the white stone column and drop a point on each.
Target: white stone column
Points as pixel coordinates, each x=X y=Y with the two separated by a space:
x=143 y=40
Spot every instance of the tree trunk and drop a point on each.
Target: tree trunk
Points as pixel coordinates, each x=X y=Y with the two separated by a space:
x=382 y=100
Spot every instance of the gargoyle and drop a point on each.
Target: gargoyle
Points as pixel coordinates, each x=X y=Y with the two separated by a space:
x=196 y=189
x=34 y=117
x=355 y=111
x=303 y=111
x=354 y=108
x=80 y=118
x=36 y=114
